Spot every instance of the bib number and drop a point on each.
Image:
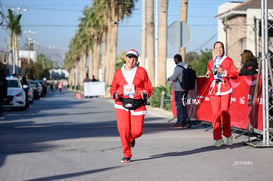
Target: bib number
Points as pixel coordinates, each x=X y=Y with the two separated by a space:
x=129 y=89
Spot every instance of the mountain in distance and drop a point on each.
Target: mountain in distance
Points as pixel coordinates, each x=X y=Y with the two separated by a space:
x=54 y=54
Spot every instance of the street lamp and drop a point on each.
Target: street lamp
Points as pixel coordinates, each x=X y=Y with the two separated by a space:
x=29 y=38
x=19 y=9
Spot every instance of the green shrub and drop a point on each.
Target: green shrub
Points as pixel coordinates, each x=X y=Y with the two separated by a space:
x=155 y=99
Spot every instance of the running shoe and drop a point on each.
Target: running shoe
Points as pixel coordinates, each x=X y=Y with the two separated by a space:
x=229 y=141
x=125 y=159
x=218 y=143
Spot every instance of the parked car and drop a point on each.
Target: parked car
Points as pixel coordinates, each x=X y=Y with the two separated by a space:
x=44 y=87
x=16 y=97
x=37 y=88
x=30 y=93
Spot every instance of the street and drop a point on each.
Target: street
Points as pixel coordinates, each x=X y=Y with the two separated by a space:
x=62 y=137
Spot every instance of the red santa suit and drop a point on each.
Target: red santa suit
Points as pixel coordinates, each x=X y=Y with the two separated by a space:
x=220 y=91
x=130 y=84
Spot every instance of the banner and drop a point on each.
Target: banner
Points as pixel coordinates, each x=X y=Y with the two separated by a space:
x=199 y=105
x=95 y=88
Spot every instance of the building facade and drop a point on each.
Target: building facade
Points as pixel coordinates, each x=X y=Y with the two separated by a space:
x=239 y=27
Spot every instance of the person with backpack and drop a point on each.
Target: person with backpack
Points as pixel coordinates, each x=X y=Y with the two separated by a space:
x=220 y=70
x=180 y=94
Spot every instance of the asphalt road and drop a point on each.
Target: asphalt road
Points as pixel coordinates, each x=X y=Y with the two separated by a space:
x=64 y=138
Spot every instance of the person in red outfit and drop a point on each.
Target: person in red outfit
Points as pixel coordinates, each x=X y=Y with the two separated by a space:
x=131 y=87
x=219 y=70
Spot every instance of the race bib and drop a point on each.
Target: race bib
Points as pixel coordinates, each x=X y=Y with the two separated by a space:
x=129 y=89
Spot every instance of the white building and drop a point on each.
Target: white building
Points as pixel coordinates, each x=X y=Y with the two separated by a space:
x=239 y=27
x=31 y=55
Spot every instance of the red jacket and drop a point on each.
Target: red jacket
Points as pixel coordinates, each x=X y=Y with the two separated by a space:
x=141 y=82
x=224 y=86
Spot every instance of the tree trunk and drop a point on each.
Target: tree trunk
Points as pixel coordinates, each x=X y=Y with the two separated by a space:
x=183 y=18
x=104 y=57
x=96 y=59
x=82 y=68
x=108 y=53
x=144 y=32
x=16 y=54
x=90 y=66
x=78 y=72
x=162 y=44
x=150 y=40
x=113 y=47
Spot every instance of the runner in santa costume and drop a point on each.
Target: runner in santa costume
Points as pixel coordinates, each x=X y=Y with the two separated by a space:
x=220 y=69
x=131 y=87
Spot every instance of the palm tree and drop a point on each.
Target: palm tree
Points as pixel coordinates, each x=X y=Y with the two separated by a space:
x=82 y=38
x=72 y=58
x=93 y=27
x=97 y=24
x=15 y=31
x=118 y=10
x=162 y=44
x=150 y=40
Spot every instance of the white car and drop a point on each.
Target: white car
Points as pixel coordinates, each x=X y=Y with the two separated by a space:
x=37 y=88
x=16 y=97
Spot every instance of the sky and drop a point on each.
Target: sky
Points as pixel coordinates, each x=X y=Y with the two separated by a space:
x=53 y=23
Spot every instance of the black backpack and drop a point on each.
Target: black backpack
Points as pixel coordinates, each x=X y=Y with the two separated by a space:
x=188 y=78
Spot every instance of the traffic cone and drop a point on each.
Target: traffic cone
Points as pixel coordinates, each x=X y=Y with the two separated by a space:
x=78 y=95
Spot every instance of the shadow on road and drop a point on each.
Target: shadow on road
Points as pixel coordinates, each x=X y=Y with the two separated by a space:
x=192 y=152
x=61 y=116
x=71 y=175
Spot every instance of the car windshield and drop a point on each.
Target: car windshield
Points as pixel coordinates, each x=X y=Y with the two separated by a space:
x=13 y=83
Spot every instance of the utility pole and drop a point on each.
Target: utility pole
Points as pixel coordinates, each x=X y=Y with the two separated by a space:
x=28 y=44
x=144 y=34
x=1 y=18
x=151 y=40
x=156 y=41
x=183 y=18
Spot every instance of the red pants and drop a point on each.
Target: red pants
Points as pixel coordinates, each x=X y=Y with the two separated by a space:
x=130 y=127
x=220 y=105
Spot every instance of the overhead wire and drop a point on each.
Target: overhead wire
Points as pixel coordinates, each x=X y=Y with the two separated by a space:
x=71 y=6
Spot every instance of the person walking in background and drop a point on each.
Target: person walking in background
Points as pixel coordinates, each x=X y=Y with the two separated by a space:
x=25 y=85
x=180 y=95
x=3 y=91
x=219 y=70
x=94 y=78
x=249 y=63
x=131 y=87
x=60 y=86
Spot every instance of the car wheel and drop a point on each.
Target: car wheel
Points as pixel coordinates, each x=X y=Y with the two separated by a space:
x=23 y=108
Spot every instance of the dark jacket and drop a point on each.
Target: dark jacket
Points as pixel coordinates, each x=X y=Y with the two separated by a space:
x=250 y=68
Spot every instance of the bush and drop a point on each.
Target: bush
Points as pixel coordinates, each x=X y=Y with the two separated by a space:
x=155 y=99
